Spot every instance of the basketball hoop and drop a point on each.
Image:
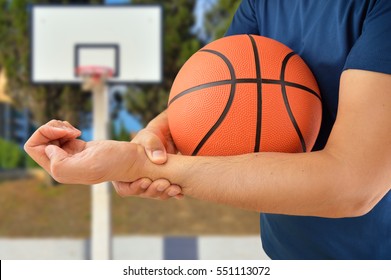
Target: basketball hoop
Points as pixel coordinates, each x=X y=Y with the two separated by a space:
x=94 y=77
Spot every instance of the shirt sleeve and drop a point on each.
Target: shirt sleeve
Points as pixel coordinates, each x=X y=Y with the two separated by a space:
x=244 y=20
x=372 y=50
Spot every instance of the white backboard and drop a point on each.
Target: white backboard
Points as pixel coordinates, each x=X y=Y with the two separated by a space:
x=126 y=38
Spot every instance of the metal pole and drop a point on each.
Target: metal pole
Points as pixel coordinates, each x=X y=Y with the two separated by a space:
x=101 y=246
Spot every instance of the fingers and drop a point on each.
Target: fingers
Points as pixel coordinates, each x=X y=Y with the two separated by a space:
x=62 y=125
x=154 y=146
x=69 y=168
x=56 y=155
x=51 y=133
x=78 y=168
x=162 y=189
x=159 y=189
x=132 y=188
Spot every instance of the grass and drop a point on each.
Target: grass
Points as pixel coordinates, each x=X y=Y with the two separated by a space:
x=30 y=208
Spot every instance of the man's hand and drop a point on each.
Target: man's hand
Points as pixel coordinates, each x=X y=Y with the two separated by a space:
x=69 y=160
x=53 y=133
x=160 y=189
x=157 y=141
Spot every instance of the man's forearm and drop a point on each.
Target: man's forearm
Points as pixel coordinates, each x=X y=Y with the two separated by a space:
x=297 y=184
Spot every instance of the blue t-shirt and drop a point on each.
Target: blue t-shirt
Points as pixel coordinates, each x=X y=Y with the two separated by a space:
x=330 y=36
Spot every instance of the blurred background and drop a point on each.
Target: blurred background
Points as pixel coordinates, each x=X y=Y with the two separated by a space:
x=41 y=219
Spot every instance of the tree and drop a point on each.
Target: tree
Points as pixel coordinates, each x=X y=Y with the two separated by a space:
x=11 y=156
x=66 y=102
x=45 y=102
x=218 y=19
x=179 y=44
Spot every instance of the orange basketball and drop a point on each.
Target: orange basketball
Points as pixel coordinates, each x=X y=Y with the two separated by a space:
x=244 y=94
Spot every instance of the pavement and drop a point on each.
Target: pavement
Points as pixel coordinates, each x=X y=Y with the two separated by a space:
x=137 y=248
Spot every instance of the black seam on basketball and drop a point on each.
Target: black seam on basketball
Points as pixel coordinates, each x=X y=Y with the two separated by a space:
x=258 y=129
x=243 y=81
x=291 y=84
x=227 y=106
x=199 y=87
x=286 y=101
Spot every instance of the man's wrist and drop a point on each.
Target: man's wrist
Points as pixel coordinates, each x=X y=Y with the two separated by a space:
x=132 y=161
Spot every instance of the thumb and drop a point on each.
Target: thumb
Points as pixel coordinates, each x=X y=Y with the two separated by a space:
x=156 y=153
x=158 y=156
x=56 y=156
x=55 y=153
x=154 y=147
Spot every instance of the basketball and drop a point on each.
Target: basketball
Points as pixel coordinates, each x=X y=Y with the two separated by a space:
x=244 y=94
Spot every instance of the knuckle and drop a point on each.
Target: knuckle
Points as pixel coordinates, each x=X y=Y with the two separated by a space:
x=26 y=147
x=140 y=136
x=52 y=122
x=146 y=138
x=121 y=189
x=151 y=141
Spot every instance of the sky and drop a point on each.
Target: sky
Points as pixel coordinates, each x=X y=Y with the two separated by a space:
x=109 y=2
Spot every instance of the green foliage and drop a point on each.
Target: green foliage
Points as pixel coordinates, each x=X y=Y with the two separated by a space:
x=218 y=19
x=178 y=45
x=122 y=134
x=30 y=163
x=11 y=155
x=59 y=102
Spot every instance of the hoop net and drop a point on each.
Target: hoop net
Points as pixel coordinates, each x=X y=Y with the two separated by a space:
x=93 y=77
